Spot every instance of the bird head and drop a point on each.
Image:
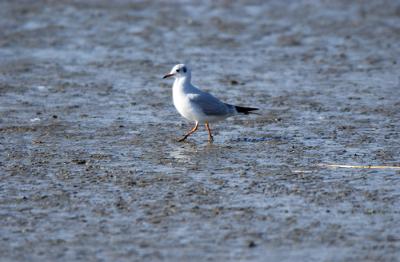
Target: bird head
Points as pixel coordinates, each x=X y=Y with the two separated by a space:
x=179 y=71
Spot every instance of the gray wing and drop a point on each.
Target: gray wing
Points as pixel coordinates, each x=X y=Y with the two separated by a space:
x=210 y=105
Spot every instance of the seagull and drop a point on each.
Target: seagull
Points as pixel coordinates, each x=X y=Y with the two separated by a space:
x=198 y=106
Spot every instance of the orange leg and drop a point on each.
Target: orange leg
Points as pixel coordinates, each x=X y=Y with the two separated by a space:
x=189 y=133
x=210 y=136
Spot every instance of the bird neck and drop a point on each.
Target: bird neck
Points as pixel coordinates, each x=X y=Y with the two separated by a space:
x=183 y=81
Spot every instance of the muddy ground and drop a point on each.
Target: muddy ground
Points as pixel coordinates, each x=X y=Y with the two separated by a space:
x=91 y=171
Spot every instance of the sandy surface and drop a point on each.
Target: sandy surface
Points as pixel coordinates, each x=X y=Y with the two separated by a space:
x=90 y=169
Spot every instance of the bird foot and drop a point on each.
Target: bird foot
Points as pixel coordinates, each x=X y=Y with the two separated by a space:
x=181 y=139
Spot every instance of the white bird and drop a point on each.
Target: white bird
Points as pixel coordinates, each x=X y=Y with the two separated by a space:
x=199 y=106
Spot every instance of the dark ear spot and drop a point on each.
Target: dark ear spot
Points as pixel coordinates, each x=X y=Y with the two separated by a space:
x=184 y=69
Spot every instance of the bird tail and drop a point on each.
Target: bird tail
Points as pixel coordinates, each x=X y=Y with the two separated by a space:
x=245 y=110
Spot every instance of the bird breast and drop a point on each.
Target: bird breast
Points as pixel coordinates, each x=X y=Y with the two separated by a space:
x=182 y=104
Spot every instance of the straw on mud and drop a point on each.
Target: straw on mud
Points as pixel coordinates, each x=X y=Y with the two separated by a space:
x=347 y=166
x=358 y=166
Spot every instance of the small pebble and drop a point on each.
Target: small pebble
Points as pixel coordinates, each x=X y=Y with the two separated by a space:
x=251 y=244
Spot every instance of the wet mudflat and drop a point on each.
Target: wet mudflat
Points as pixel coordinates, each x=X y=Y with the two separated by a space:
x=91 y=171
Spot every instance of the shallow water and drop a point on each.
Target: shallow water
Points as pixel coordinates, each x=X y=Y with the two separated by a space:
x=91 y=170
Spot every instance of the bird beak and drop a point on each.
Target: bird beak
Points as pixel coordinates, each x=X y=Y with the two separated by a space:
x=167 y=75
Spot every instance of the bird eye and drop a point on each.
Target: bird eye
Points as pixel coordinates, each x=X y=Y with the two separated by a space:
x=184 y=69
x=177 y=70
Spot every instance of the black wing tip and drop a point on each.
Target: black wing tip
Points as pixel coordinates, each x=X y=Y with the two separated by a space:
x=245 y=110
